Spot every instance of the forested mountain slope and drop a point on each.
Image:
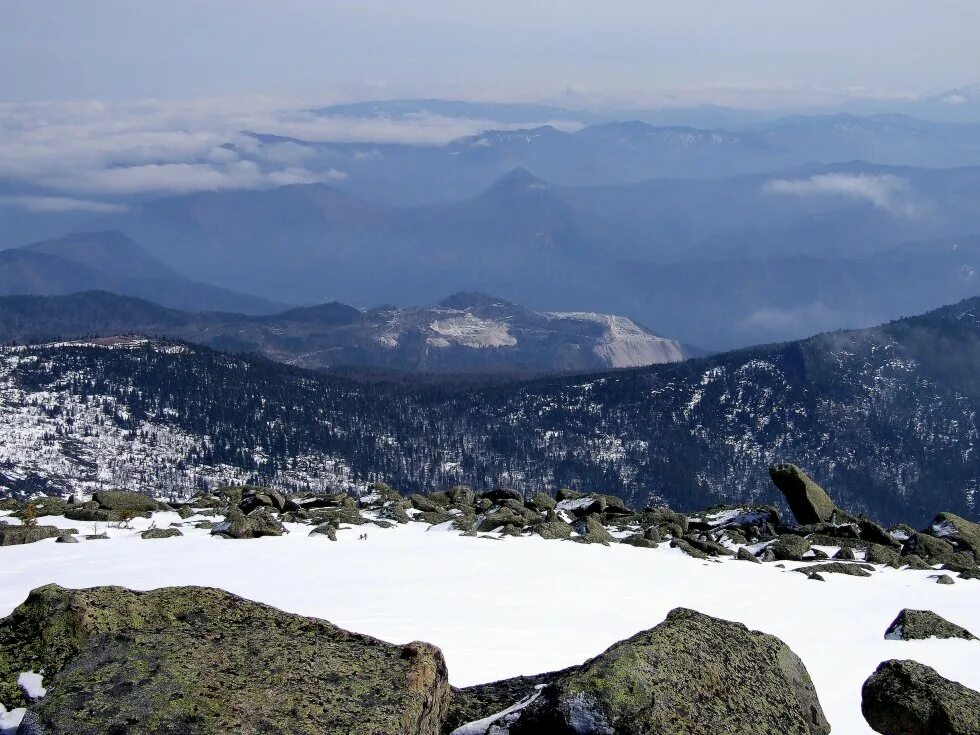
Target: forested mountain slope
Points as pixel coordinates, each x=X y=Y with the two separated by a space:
x=885 y=417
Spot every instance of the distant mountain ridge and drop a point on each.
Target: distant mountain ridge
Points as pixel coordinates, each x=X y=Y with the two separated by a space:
x=465 y=333
x=110 y=261
x=886 y=417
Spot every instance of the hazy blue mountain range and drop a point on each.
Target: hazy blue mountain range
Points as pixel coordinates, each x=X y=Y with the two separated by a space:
x=886 y=417
x=465 y=333
x=110 y=261
x=714 y=263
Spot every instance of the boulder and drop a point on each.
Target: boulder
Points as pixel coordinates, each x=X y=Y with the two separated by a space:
x=395 y=513
x=125 y=500
x=198 y=660
x=500 y=494
x=679 y=543
x=17 y=535
x=929 y=548
x=712 y=548
x=690 y=675
x=942 y=578
x=591 y=531
x=908 y=698
x=428 y=504
x=836 y=567
x=556 y=529
x=809 y=502
x=790 y=548
x=66 y=539
x=461 y=495
x=964 y=535
x=185 y=511
x=744 y=554
x=261 y=497
x=844 y=553
x=541 y=502
x=879 y=554
x=568 y=494
x=154 y=533
x=917 y=625
x=103 y=515
x=325 y=529
x=239 y=526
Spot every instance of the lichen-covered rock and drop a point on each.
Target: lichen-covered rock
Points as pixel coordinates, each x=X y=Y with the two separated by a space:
x=744 y=554
x=556 y=529
x=908 y=698
x=261 y=497
x=917 y=625
x=964 y=535
x=541 y=502
x=325 y=529
x=929 y=548
x=591 y=531
x=125 y=500
x=66 y=538
x=836 y=567
x=500 y=494
x=942 y=578
x=196 y=660
x=690 y=675
x=395 y=513
x=103 y=515
x=679 y=543
x=240 y=526
x=790 y=548
x=809 y=502
x=712 y=548
x=17 y=535
x=879 y=554
x=154 y=533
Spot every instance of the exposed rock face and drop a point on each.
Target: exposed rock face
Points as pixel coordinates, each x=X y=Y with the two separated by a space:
x=198 y=660
x=16 y=535
x=917 y=625
x=908 y=698
x=125 y=500
x=690 y=675
x=808 y=501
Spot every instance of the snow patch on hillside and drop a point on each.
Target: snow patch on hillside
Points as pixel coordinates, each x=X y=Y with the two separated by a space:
x=471 y=331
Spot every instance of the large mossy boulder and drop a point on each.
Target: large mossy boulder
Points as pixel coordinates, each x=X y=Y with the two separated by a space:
x=125 y=500
x=237 y=525
x=962 y=534
x=909 y=698
x=918 y=625
x=17 y=535
x=690 y=675
x=790 y=547
x=197 y=661
x=809 y=502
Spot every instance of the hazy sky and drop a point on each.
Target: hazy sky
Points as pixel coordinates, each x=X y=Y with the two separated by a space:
x=558 y=50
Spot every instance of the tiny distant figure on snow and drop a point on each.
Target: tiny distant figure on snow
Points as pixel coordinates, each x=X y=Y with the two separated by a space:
x=362 y=537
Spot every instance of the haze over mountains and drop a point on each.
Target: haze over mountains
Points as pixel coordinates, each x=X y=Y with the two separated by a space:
x=751 y=230
x=464 y=333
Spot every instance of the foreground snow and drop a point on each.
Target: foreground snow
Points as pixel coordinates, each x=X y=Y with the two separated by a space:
x=499 y=608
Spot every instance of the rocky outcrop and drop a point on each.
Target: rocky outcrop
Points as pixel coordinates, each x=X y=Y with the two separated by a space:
x=255 y=525
x=908 y=698
x=917 y=625
x=962 y=534
x=123 y=500
x=198 y=660
x=809 y=502
x=690 y=675
x=17 y=535
x=156 y=533
x=837 y=567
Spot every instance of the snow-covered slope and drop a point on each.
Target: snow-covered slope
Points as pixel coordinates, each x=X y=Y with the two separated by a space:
x=499 y=608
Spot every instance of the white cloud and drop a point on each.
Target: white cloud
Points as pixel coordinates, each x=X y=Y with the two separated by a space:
x=154 y=147
x=61 y=204
x=886 y=191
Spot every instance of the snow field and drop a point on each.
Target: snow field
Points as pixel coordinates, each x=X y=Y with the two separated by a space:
x=502 y=607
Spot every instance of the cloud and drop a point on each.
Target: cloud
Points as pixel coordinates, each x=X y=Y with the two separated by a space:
x=886 y=191
x=788 y=323
x=61 y=204
x=76 y=150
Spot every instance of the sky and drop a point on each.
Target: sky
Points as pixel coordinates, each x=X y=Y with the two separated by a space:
x=757 y=52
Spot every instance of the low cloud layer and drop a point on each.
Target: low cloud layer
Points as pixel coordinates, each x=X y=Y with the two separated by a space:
x=886 y=191
x=75 y=151
x=60 y=204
